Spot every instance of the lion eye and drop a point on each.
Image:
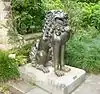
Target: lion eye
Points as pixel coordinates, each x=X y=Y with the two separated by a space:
x=58 y=33
x=58 y=28
x=62 y=31
x=51 y=31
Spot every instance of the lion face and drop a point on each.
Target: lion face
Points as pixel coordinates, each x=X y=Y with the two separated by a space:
x=55 y=20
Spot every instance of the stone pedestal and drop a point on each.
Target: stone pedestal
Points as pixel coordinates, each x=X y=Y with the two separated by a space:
x=50 y=82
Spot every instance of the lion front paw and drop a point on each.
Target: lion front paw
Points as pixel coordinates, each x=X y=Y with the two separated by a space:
x=66 y=69
x=42 y=68
x=59 y=73
x=33 y=65
x=45 y=70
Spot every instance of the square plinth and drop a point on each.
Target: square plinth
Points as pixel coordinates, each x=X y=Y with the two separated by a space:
x=50 y=82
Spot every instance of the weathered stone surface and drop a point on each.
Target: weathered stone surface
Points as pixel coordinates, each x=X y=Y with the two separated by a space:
x=20 y=87
x=3 y=19
x=90 y=86
x=37 y=91
x=50 y=82
x=3 y=34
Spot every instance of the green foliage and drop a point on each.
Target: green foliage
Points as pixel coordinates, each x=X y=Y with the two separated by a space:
x=82 y=15
x=22 y=51
x=91 y=15
x=83 y=47
x=88 y=1
x=21 y=60
x=83 y=50
x=8 y=67
x=28 y=15
x=22 y=54
x=52 y=5
x=75 y=13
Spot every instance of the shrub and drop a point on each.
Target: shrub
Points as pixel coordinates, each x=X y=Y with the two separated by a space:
x=88 y=1
x=24 y=50
x=22 y=54
x=27 y=15
x=82 y=49
x=91 y=15
x=82 y=15
x=8 y=67
x=52 y=5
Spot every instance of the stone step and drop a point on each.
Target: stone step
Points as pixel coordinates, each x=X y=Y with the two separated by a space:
x=23 y=87
x=20 y=87
x=37 y=90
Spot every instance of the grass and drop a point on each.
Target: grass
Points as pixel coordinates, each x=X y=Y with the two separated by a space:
x=8 y=67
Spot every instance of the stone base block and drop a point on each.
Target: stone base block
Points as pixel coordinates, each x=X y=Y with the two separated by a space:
x=50 y=82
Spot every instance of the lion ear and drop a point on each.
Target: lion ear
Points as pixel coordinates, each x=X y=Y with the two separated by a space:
x=49 y=13
x=66 y=15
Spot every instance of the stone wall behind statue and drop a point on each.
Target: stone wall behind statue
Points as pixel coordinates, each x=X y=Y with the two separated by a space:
x=4 y=10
